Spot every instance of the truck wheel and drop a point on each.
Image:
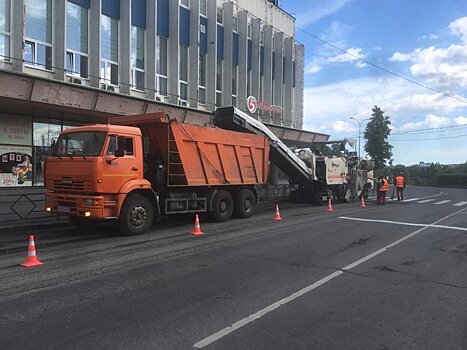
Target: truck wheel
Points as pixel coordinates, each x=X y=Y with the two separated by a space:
x=222 y=206
x=81 y=222
x=245 y=203
x=136 y=216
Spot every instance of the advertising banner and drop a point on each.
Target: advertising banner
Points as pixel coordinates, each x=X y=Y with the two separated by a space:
x=15 y=166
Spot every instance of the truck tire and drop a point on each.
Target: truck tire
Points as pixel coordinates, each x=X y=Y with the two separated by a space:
x=136 y=216
x=82 y=223
x=244 y=203
x=222 y=206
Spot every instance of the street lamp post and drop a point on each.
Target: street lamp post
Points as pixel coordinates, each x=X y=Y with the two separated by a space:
x=359 y=131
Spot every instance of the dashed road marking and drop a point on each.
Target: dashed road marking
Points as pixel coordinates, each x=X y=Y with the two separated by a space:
x=460 y=204
x=411 y=199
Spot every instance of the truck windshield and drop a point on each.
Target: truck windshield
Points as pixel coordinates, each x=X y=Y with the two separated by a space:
x=83 y=143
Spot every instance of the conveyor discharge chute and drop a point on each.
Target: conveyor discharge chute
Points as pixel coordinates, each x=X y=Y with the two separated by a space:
x=231 y=118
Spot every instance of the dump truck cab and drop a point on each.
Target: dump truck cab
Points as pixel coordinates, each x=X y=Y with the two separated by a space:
x=91 y=171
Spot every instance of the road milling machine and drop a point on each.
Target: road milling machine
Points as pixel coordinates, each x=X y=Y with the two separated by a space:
x=315 y=177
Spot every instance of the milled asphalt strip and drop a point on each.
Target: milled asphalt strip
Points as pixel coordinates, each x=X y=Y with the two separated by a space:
x=405 y=223
x=253 y=317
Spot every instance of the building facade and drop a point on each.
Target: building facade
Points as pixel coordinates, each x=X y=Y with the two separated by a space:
x=69 y=62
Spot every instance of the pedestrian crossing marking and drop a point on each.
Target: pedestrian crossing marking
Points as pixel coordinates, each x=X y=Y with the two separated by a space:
x=444 y=202
x=426 y=201
x=411 y=199
x=460 y=204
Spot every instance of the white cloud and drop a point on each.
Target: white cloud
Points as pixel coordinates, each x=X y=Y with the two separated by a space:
x=400 y=57
x=431 y=121
x=460 y=120
x=429 y=37
x=425 y=103
x=459 y=27
x=319 y=9
x=442 y=67
x=352 y=54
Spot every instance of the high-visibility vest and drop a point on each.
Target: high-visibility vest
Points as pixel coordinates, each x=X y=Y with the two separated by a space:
x=384 y=185
x=399 y=181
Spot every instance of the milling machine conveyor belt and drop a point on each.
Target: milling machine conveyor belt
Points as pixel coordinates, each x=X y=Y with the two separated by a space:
x=231 y=118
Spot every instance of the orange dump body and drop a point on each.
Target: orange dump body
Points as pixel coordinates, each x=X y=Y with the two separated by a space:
x=202 y=156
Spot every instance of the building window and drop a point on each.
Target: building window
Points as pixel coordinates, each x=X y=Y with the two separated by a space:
x=185 y=3
x=234 y=84
x=203 y=8
x=261 y=36
x=38 y=33
x=5 y=34
x=161 y=66
x=183 y=73
x=202 y=78
x=137 y=58
x=77 y=40
x=249 y=31
x=235 y=24
x=109 y=50
x=220 y=15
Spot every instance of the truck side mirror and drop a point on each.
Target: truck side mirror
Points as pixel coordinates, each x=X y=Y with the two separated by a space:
x=119 y=152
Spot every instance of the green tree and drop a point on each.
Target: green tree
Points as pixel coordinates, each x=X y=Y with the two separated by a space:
x=376 y=134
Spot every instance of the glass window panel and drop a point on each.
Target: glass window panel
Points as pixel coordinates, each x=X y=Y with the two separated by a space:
x=185 y=2
x=202 y=7
x=137 y=47
x=29 y=52
x=183 y=91
x=202 y=69
x=4 y=47
x=84 y=66
x=69 y=62
x=219 y=15
x=114 y=74
x=183 y=63
x=38 y=19
x=202 y=95
x=41 y=55
x=109 y=38
x=161 y=56
x=77 y=28
x=163 y=86
x=43 y=133
x=5 y=16
x=77 y=65
x=219 y=75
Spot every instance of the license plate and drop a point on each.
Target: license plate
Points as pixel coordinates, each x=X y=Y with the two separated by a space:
x=63 y=209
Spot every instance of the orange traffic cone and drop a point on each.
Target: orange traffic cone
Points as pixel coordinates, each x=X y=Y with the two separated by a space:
x=330 y=206
x=31 y=260
x=362 y=203
x=197 y=229
x=278 y=215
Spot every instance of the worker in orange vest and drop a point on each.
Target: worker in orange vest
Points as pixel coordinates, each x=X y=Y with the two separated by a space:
x=383 y=188
x=399 y=182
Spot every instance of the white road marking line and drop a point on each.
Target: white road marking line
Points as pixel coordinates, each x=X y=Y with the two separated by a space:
x=444 y=202
x=411 y=199
x=405 y=223
x=460 y=204
x=253 y=317
x=426 y=200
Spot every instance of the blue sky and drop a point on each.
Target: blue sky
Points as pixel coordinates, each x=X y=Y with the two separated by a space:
x=422 y=40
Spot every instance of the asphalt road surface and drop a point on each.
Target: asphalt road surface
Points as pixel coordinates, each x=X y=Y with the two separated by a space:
x=381 y=277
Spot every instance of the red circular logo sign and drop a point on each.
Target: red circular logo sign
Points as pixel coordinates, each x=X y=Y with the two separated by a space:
x=252 y=104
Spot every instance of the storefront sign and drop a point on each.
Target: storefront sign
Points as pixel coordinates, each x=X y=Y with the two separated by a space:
x=15 y=130
x=253 y=105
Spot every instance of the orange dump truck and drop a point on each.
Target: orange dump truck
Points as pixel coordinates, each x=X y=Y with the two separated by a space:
x=139 y=168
